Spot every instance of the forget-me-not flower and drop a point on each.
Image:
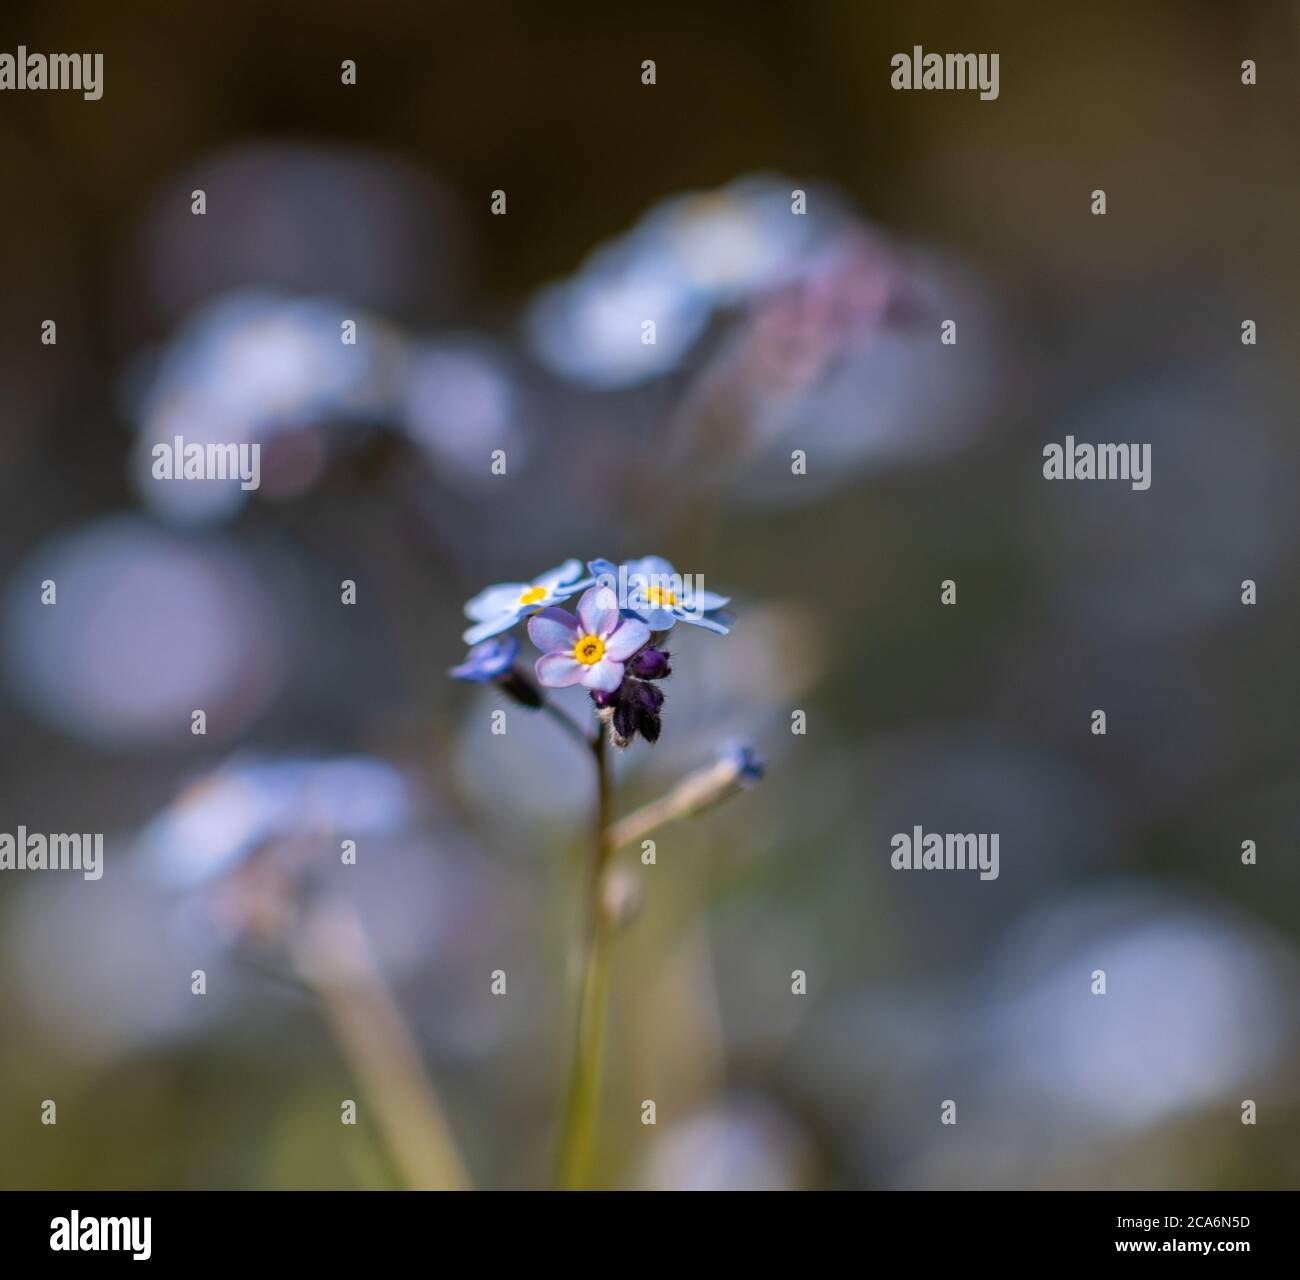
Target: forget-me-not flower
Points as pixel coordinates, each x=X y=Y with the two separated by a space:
x=652 y=590
x=590 y=649
x=488 y=660
x=498 y=608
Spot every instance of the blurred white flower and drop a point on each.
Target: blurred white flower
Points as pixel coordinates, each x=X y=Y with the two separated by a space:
x=1196 y=1009
x=227 y=814
x=1056 y=1085
x=688 y=256
x=148 y=627
x=458 y=404
x=847 y=365
x=253 y=367
x=733 y=241
x=590 y=329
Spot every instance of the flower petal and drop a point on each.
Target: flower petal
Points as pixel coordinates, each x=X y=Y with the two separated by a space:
x=626 y=639
x=559 y=670
x=560 y=576
x=555 y=594
x=605 y=675
x=488 y=660
x=704 y=601
x=600 y=573
x=708 y=623
x=650 y=567
x=553 y=630
x=598 y=612
x=492 y=626
x=655 y=618
x=567 y=589
x=492 y=601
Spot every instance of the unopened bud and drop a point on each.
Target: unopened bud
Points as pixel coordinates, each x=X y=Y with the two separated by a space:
x=649 y=664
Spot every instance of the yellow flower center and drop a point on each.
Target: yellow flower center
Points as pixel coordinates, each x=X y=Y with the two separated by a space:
x=534 y=595
x=589 y=650
x=660 y=596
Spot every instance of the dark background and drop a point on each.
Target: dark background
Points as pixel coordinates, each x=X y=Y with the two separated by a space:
x=1120 y=852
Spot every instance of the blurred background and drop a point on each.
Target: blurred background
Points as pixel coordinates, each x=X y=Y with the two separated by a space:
x=522 y=332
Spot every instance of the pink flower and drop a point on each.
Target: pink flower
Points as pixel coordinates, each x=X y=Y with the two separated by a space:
x=590 y=649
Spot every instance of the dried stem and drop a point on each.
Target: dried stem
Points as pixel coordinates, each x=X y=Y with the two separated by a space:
x=333 y=957
x=693 y=794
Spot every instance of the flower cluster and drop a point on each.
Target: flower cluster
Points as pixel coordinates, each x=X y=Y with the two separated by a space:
x=612 y=646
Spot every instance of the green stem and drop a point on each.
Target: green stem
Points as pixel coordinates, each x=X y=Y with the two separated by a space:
x=578 y=1143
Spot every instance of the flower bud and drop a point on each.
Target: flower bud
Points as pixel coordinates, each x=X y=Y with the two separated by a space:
x=521 y=687
x=624 y=722
x=646 y=701
x=645 y=697
x=649 y=664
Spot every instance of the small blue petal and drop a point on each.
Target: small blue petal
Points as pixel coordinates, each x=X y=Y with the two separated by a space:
x=493 y=601
x=487 y=660
x=659 y=619
x=710 y=622
x=493 y=626
x=559 y=577
x=650 y=567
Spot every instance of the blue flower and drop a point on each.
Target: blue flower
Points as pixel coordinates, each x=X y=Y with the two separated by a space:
x=498 y=608
x=488 y=660
x=650 y=589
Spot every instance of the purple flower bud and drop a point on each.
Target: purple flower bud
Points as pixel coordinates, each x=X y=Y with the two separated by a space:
x=650 y=664
x=647 y=700
x=625 y=721
x=648 y=725
x=645 y=697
